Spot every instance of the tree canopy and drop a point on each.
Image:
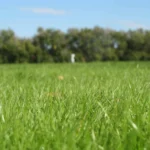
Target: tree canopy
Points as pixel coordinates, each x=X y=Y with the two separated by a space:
x=89 y=44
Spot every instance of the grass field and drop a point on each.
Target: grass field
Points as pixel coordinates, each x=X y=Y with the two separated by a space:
x=92 y=106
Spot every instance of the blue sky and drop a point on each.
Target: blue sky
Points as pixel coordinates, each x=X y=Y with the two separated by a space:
x=24 y=17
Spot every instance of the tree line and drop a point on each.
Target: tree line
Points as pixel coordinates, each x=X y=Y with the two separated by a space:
x=89 y=44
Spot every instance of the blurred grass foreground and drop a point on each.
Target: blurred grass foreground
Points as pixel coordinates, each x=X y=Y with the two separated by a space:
x=77 y=106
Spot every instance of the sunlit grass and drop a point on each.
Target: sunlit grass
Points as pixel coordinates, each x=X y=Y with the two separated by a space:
x=75 y=106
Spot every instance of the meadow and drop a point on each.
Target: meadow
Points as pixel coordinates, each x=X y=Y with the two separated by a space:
x=82 y=106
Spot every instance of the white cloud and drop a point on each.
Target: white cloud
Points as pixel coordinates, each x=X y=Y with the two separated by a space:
x=133 y=25
x=50 y=11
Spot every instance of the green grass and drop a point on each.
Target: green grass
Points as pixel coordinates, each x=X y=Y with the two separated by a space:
x=93 y=106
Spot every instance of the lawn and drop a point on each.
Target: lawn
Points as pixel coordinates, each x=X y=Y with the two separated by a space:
x=82 y=106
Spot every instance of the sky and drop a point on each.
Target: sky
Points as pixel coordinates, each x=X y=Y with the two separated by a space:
x=24 y=17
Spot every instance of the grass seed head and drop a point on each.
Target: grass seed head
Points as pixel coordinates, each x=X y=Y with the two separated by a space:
x=61 y=77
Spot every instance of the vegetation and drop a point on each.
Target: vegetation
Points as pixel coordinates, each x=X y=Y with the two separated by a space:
x=84 y=106
x=95 y=44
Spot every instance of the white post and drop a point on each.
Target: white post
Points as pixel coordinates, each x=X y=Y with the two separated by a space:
x=73 y=58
